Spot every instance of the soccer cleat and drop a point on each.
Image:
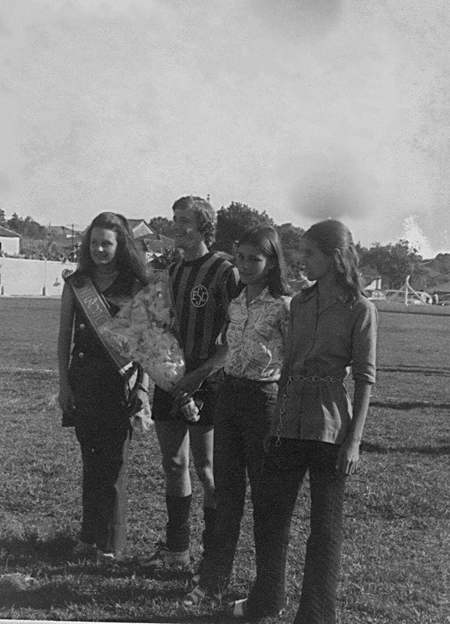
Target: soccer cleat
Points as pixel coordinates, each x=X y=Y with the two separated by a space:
x=165 y=558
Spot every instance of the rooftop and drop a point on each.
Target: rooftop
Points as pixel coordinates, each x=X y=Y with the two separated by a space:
x=5 y=233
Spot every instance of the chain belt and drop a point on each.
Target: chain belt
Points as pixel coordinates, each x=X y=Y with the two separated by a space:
x=313 y=379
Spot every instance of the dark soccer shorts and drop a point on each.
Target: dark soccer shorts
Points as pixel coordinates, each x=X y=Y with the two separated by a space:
x=208 y=392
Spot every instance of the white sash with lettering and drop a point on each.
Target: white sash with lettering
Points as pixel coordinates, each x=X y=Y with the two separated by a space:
x=97 y=313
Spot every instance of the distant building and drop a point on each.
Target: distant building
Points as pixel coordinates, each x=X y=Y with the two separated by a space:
x=148 y=240
x=9 y=242
x=141 y=229
x=375 y=284
x=68 y=240
x=61 y=233
x=167 y=242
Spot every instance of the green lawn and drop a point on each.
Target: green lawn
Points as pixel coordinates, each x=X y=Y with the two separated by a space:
x=397 y=552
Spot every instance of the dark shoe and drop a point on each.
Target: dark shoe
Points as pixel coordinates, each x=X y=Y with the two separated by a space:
x=83 y=550
x=165 y=558
x=195 y=580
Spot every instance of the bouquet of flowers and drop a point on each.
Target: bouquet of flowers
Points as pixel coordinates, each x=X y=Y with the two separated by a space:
x=143 y=331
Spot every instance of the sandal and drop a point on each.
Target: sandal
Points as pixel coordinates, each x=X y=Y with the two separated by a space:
x=239 y=608
x=194 y=597
x=105 y=558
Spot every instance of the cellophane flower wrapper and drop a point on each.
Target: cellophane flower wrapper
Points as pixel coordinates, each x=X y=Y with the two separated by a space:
x=143 y=332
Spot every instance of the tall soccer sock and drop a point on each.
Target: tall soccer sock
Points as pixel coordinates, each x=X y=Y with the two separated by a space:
x=178 y=530
x=209 y=516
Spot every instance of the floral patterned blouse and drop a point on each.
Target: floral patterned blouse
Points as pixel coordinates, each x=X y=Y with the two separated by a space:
x=256 y=336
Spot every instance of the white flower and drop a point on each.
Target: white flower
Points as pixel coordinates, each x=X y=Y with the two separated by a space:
x=143 y=331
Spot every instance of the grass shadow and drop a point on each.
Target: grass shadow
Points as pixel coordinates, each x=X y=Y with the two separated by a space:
x=409 y=405
x=42 y=597
x=424 y=370
x=63 y=595
x=31 y=550
x=32 y=547
x=370 y=447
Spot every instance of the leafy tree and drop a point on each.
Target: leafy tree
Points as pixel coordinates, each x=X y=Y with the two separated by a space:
x=15 y=223
x=437 y=270
x=26 y=227
x=2 y=217
x=392 y=262
x=168 y=256
x=233 y=220
x=33 y=229
x=290 y=236
x=433 y=273
x=161 y=225
x=39 y=248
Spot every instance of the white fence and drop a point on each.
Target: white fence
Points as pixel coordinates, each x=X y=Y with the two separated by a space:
x=21 y=277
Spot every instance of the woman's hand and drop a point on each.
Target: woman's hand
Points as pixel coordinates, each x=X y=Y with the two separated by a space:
x=348 y=458
x=145 y=411
x=266 y=442
x=65 y=398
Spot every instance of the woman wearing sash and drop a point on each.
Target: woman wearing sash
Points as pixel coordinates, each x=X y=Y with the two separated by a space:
x=96 y=390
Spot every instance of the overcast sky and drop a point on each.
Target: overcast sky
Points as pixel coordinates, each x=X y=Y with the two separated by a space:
x=305 y=109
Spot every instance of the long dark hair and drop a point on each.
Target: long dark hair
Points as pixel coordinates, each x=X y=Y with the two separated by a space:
x=129 y=260
x=266 y=240
x=334 y=239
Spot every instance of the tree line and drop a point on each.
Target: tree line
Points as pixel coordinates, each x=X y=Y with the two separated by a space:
x=235 y=219
x=24 y=226
x=392 y=262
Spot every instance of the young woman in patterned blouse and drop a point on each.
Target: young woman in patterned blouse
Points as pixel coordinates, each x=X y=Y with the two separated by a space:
x=316 y=429
x=258 y=320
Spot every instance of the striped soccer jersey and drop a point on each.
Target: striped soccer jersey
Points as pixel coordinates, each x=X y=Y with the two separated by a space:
x=202 y=290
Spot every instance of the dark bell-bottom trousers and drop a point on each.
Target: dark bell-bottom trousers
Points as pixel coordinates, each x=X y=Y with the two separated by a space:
x=283 y=474
x=105 y=461
x=243 y=416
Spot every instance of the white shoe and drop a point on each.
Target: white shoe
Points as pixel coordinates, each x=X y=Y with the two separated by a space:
x=239 y=608
x=105 y=558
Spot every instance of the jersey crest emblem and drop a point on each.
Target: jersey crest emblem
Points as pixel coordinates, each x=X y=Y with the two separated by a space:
x=199 y=296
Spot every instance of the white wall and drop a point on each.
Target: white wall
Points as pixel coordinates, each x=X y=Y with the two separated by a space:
x=32 y=277
x=10 y=245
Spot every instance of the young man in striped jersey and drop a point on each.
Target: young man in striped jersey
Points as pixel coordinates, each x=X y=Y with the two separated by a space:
x=203 y=283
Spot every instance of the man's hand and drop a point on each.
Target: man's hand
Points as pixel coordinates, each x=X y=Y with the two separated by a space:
x=188 y=385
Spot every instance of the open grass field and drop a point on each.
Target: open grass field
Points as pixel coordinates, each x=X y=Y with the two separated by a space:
x=396 y=566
